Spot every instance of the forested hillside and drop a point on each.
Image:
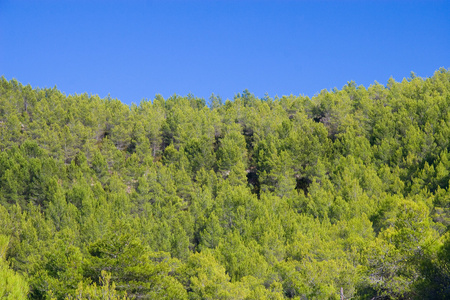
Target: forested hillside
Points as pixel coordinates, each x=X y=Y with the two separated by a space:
x=182 y=198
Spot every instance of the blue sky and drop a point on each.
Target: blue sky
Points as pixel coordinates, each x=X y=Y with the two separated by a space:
x=136 y=49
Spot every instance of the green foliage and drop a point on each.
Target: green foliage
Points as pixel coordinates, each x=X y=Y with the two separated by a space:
x=106 y=290
x=290 y=197
x=13 y=286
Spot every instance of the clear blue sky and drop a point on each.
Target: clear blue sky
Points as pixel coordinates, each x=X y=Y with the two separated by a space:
x=136 y=49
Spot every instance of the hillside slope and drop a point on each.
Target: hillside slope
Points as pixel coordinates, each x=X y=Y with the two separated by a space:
x=253 y=198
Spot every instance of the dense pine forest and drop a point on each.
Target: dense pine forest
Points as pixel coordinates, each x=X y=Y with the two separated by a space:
x=184 y=198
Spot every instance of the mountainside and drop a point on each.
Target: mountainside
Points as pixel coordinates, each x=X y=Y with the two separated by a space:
x=285 y=198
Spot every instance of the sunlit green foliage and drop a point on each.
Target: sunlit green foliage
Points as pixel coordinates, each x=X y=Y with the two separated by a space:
x=284 y=198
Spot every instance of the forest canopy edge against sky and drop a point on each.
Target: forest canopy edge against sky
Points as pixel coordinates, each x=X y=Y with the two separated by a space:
x=291 y=197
